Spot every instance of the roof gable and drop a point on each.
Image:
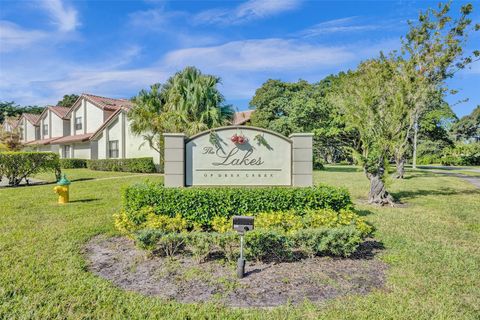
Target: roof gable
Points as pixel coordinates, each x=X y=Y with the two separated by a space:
x=30 y=117
x=104 y=103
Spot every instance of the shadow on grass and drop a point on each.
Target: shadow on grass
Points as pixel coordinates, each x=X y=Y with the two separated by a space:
x=85 y=200
x=399 y=196
x=342 y=169
x=368 y=249
x=363 y=213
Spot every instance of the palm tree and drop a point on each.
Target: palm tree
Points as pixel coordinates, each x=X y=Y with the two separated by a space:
x=188 y=102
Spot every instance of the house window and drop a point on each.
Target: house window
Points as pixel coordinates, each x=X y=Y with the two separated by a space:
x=45 y=129
x=113 y=149
x=66 y=151
x=78 y=123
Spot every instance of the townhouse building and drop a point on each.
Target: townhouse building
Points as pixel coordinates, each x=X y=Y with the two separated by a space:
x=94 y=127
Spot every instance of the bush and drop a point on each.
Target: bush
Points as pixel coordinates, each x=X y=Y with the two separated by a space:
x=290 y=222
x=266 y=245
x=340 y=241
x=17 y=166
x=201 y=205
x=287 y=221
x=70 y=163
x=260 y=244
x=200 y=245
x=428 y=159
x=167 y=244
x=140 y=165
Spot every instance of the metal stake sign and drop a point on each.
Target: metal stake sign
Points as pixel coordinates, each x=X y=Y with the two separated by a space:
x=242 y=224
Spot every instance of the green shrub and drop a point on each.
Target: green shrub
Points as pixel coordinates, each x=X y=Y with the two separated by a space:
x=17 y=166
x=140 y=165
x=201 y=205
x=70 y=163
x=228 y=244
x=340 y=241
x=200 y=245
x=221 y=224
x=267 y=245
x=428 y=159
x=167 y=244
x=332 y=219
x=147 y=238
x=260 y=244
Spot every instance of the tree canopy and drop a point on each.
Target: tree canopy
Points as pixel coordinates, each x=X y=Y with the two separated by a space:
x=288 y=107
x=68 y=100
x=468 y=127
x=11 y=109
x=188 y=102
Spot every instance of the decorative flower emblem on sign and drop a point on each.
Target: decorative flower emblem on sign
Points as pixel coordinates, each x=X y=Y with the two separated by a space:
x=239 y=139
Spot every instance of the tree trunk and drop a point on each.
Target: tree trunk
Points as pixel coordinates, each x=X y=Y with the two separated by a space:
x=400 y=162
x=415 y=136
x=378 y=193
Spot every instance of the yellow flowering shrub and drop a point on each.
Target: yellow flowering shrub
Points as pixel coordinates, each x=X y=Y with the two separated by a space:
x=123 y=223
x=221 y=224
x=332 y=219
x=287 y=221
x=166 y=223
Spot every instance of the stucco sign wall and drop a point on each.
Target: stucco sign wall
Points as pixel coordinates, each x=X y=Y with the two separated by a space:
x=238 y=156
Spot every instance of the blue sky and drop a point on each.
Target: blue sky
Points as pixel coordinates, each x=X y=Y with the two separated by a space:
x=115 y=48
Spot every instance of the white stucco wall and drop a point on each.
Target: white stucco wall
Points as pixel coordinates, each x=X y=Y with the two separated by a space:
x=135 y=149
x=101 y=146
x=81 y=150
x=28 y=131
x=44 y=148
x=78 y=112
x=94 y=118
x=44 y=120
x=130 y=145
x=56 y=125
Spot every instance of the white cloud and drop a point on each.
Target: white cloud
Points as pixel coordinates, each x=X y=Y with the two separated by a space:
x=13 y=37
x=63 y=16
x=250 y=10
x=154 y=19
x=260 y=55
x=348 y=24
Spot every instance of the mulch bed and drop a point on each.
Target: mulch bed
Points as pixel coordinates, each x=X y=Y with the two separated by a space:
x=266 y=284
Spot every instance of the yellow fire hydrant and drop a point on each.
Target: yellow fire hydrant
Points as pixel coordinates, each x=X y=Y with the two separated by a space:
x=62 y=189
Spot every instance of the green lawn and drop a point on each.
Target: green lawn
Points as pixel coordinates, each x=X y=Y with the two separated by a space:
x=431 y=245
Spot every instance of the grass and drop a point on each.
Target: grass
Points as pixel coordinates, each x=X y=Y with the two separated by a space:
x=431 y=245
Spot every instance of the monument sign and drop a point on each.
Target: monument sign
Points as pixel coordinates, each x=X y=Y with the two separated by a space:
x=238 y=155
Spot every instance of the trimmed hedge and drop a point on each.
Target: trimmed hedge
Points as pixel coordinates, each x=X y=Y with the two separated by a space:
x=200 y=205
x=140 y=165
x=70 y=163
x=17 y=166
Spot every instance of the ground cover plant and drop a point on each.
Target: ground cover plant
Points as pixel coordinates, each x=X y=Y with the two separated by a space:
x=430 y=245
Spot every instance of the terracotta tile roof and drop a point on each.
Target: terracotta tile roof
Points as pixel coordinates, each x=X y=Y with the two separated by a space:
x=108 y=103
x=75 y=138
x=42 y=141
x=242 y=117
x=59 y=111
x=32 y=118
